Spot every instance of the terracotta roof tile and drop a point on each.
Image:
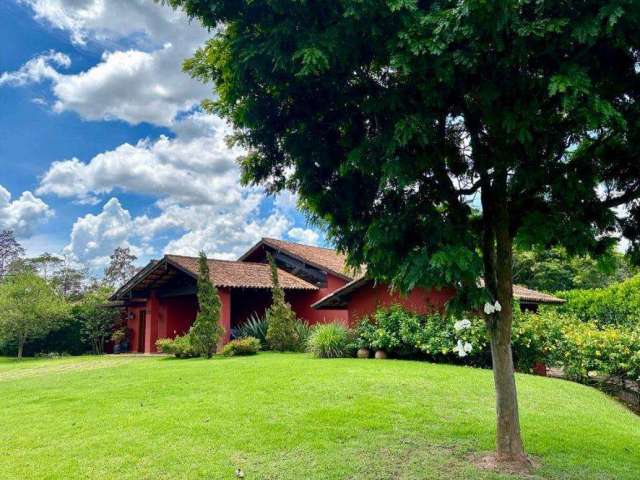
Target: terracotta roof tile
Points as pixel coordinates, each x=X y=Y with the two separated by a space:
x=324 y=258
x=224 y=273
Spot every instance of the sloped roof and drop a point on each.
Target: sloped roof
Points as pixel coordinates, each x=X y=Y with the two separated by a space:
x=227 y=273
x=338 y=298
x=223 y=273
x=325 y=259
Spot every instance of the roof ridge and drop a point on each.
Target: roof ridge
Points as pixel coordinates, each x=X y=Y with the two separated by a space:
x=215 y=259
x=301 y=244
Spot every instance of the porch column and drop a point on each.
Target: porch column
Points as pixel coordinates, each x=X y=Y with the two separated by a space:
x=225 y=313
x=151 y=329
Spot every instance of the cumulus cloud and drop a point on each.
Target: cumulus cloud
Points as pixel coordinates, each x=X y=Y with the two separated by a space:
x=143 y=83
x=94 y=237
x=193 y=169
x=23 y=214
x=304 y=235
x=37 y=69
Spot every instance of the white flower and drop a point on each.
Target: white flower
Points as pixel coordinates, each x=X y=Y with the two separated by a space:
x=489 y=308
x=468 y=347
x=497 y=306
x=459 y=349
x=461 y=325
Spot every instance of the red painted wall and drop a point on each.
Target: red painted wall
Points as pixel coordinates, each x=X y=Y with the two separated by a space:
x=301 y=302
x=367 y=299
x=170 y=317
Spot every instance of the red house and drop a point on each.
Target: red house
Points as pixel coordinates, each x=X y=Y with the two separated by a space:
x=361 y=297
x=160 y=301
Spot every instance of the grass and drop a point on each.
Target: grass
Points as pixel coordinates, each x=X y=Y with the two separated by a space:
x=288 y=416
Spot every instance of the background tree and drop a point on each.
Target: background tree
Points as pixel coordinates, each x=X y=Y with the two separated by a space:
x=121 y=267
x=553 y=269
x=282 y=334
x=10 y=250
x=428 y=136
x=69 y=280
x=29 y=309
x=96 y=320
x=206 y=331
x=46 y=264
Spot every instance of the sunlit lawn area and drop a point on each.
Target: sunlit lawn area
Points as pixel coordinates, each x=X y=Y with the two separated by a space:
x=288 y=416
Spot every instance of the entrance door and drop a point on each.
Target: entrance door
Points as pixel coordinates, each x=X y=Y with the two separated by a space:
x=141 y=330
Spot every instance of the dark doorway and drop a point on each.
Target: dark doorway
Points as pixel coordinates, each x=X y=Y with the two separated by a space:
x=141 y=330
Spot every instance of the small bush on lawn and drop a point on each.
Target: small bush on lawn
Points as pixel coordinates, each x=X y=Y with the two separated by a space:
x=242 y=346
x=282 y=331
x=180 y=346
x=330 y=340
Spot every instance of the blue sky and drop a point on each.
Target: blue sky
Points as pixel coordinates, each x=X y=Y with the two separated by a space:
x=103 y=143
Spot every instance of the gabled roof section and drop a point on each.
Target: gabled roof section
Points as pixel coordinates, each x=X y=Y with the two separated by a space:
x=325 y=259
x=223 y=273
x=228 y=273
x=340 y=297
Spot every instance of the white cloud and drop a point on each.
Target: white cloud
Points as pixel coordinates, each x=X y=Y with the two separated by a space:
x=94 y=237
x=187 y=169
x=23 y=214
x=37 y=69
x=304 y=235
x=139 y=78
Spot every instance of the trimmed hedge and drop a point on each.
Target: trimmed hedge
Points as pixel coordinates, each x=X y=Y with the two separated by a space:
x=241 y=346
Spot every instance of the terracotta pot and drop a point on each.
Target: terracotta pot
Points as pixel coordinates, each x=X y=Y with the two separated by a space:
x=380 y=354
x=540 y=368
x=363 y=353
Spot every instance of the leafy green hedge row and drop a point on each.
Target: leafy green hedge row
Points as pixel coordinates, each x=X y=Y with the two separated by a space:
x=618 y=304
x=555 y=339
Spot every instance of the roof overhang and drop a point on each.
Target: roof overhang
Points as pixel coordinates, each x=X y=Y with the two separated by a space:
x=340 y=298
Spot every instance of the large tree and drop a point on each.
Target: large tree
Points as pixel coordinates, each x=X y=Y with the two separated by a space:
x=429 y=135
x=121 y=267
x=10 y=251
x=29 y=309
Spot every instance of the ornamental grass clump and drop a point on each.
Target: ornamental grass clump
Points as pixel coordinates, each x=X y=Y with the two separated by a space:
x=329 y=340
x=282 y=331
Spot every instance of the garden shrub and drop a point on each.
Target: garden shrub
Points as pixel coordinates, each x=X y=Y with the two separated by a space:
x=241 y=346
x=617 y=304
x=180 y=347
x=255 y=327
x=329 y=340
x=206 y=331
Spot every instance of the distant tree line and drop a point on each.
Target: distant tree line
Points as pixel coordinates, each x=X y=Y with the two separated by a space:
x=48 y=303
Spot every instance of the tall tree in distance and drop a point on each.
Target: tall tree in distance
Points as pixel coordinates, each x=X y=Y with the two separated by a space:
x=46 y=264
x=10 y=251
x=429 y=136
x=69 y=280
x=121 y=267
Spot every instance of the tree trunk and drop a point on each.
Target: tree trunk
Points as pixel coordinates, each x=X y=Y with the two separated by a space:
x=20 y=348
x=509 y=447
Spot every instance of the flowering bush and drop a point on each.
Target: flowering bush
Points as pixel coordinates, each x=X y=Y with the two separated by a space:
x=180 y=346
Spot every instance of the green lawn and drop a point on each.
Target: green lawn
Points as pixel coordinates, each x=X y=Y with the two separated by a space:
x=288 y=416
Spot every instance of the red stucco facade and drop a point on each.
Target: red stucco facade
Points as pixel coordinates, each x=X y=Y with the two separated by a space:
x=366 y=300
x=301 y=303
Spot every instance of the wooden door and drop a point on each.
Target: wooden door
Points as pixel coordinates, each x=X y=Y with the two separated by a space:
x=142 y=330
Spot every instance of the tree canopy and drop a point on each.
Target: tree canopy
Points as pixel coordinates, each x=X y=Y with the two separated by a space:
x=427 y=135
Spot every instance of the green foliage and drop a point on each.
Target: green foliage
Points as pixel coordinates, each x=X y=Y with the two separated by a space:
x=617 y=304
x=180 y=346
x=282 y=332
x=255 y=327
x=553 y=269
x=206 y=331
x=241 y=346
x=589 y=349
x=96 y=321
x=29 y=309
x=329 y=340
